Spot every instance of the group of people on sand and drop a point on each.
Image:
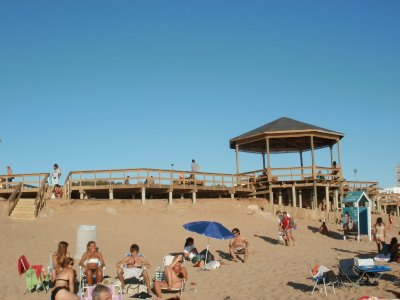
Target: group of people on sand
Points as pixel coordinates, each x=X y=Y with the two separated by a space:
x=132 y=266
x=286 y=226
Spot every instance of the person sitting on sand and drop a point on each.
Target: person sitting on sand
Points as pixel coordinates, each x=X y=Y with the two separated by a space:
x=64 y=282
x=175 y=273
x=133 y=266
x=92 y=262
x=238 y=245
x=394 y=250
x=57 y=192
x=323 y=229
x=197 y=258
x=57 y=259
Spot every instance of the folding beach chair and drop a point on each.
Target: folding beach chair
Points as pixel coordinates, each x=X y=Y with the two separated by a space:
x=346 y=272
x=116 y=291
x=35 y=280
x=324 y=276
x=83 y=279
x=160 y=275
x=368 y=272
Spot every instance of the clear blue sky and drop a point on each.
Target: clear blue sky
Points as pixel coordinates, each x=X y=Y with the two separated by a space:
x=129 y=84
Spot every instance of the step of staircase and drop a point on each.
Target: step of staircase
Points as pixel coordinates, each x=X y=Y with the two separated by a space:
x=24 y=210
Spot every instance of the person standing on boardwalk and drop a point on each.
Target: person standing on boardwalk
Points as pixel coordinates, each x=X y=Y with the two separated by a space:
x=55 y=176
x=194 y=168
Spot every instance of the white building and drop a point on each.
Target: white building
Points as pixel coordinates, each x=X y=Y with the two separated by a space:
x=391 y=190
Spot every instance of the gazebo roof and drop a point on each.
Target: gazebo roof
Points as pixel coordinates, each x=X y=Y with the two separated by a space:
x=286 y=135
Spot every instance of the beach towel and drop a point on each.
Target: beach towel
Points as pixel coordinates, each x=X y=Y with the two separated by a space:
x=23 y=265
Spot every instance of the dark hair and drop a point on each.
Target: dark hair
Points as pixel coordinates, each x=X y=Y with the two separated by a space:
x=56 y=165
x=235 y=230
x=379 y=221
x=193 y=160
x=134 y=248
x=67 y=261
x=189 y=241
x=98 y=290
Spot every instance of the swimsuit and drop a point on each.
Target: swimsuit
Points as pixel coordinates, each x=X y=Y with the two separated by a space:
x=58 y=288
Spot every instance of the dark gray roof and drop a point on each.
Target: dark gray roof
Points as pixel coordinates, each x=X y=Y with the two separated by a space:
x=284 y=124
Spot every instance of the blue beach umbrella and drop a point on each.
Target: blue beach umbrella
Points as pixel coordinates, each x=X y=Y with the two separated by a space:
x=209 y=229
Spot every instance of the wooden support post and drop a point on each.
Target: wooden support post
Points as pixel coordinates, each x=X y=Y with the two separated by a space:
x=237 y=159
x=143 y=195
x=301 y=164
x=331 y=152
x=397 y=211
x=232 y=195
x=315 y=196
x=268 y=161
x=81 y=195
x=111 y=194
x=300 y=199
x=336 y=199
x=271 y=195
x=280 y=197
x=194 y=197
x=170 y=198
x=328 y=204
x=313 y=158
x=339 y=161
x=182 y=196
x=263 y=160
x=385 y=209
x=294 y=196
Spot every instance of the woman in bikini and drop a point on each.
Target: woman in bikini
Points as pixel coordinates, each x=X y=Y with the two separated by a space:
x=175 y=274
x=379 y=234
x=58 y=258
x=92 y=261
x=64 y=282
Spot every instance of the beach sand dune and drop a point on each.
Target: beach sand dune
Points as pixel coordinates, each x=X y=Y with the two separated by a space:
x=272 y=272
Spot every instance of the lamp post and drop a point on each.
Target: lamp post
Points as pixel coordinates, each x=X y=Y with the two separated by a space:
x=355 y=176
x=172 y=167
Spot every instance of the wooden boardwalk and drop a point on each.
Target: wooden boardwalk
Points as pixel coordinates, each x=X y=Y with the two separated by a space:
x=154 y=183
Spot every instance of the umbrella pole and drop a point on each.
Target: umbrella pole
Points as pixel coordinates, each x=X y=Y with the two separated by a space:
x=208 y=245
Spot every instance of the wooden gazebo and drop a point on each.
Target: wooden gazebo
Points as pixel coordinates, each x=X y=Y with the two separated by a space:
x=286 y=135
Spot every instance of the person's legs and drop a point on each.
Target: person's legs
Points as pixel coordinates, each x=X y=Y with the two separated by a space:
x=146 y=280
x=172 y=279
x=246 y=254
x=233 y=255
x=89 y=276
x=157 y=288
x=292 y=237
x=99 y=276
x=120 y=273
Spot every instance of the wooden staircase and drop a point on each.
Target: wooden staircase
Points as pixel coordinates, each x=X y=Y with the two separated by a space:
x=24 y=210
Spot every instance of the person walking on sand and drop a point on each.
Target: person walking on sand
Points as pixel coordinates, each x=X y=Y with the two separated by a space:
x=379 y=233
x=287 y=229
x=55 y=177
x=238 y=245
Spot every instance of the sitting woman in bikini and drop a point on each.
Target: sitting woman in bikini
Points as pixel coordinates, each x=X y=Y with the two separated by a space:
x=64 y=282
x=197 y=258
x=58 y=258
x=175 y=273
x=92 y=261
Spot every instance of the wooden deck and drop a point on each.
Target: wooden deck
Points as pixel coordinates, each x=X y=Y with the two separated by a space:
x=154 y=183
x=30 y=184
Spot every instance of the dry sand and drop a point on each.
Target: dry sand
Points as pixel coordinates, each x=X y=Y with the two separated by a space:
x=272 y=272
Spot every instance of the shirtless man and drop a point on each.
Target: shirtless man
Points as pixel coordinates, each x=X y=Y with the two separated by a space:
x=133 y=266
x=238 y=245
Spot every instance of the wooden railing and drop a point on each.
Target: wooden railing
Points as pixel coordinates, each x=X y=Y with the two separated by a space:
x=153 y=177
x=389 y=199
x=40 y=200
x=296 y=174
x=371 y=187
x=14 y=197
x=29 y=181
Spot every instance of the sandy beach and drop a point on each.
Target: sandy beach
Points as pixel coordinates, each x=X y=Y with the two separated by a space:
x=273 y=271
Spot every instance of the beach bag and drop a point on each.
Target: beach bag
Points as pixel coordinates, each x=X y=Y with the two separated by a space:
x=292 y=224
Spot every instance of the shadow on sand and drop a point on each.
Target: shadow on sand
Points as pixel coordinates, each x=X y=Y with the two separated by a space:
x=300 y=286
x=332 y=234
x=268 y=239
